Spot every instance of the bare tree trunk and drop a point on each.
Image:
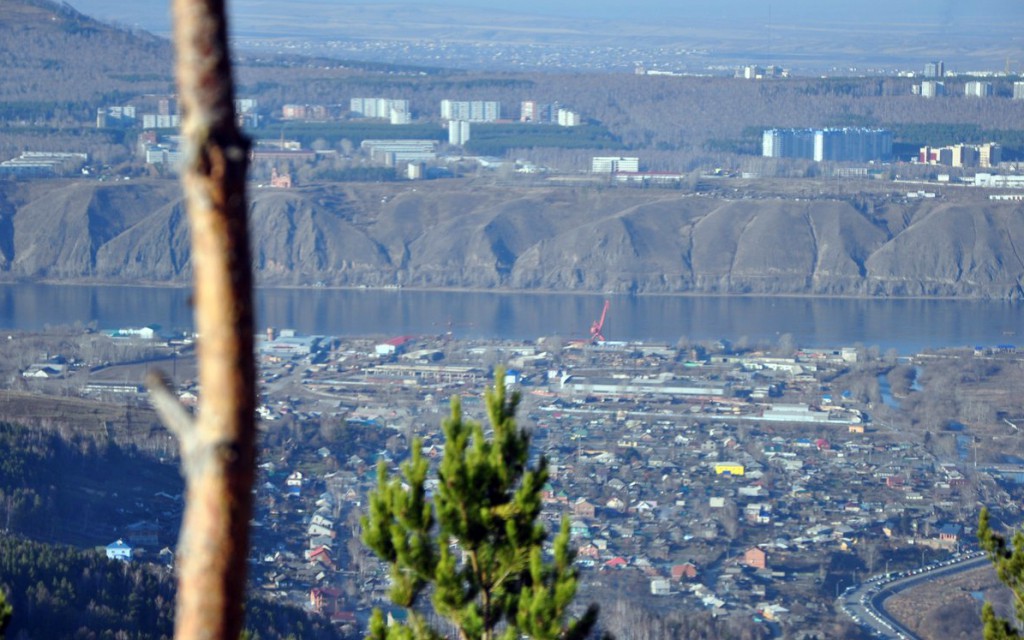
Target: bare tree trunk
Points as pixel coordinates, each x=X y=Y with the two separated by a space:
x=217 y=447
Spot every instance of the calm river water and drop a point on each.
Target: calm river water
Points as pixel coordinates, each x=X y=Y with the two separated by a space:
x=906 y=325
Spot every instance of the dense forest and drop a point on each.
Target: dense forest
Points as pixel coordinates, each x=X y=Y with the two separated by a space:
x=60 y=592
x=82 y=491
x=97 y=491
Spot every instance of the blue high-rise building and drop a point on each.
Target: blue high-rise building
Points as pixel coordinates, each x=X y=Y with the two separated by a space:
x=846 y=144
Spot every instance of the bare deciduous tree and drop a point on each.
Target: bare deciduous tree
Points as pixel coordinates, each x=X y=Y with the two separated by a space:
x=218 y=447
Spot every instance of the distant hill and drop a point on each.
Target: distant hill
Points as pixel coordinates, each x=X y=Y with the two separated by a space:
x=458 y=235
x=60 y=65
x=809 y=37
x=50 y=53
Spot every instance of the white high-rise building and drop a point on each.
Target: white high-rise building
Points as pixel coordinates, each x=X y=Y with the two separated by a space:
x=788 y=143
x=978 y=89
x=399 y=116
x=377 y=107
x=528 y=111
x=471 y=110
x=458 y=132
x=1018 y=90
x=614 y=164
x=154 y=121
x=852 y=144
x=932 y=89
x=567 y=118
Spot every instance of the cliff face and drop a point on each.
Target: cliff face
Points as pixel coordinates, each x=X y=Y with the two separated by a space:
x=446 y=234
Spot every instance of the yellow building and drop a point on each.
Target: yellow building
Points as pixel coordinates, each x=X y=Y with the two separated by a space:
x=732 y=468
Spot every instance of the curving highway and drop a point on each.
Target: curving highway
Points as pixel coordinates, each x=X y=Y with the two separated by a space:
x=865 y=603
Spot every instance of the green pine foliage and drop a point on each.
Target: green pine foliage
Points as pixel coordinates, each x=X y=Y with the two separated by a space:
x=477 y=545
x=5 y=614
x=1009 y=563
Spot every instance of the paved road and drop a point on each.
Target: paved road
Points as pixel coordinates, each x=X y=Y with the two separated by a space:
x=865 y=603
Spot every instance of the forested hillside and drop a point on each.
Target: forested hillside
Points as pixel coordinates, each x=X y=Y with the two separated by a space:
x=90 y=500
x=661 y=113
x=61 y=61
x=60 y=593
x=75 y=489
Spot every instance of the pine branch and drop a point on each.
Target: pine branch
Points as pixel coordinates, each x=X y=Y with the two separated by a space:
x=488 y=504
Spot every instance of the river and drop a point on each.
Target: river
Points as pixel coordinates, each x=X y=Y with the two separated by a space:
x=905 y=325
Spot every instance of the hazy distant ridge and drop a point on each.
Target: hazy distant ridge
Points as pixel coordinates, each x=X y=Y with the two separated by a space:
x=445 y=235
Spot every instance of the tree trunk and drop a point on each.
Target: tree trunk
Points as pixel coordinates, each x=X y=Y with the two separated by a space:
x=218 y=447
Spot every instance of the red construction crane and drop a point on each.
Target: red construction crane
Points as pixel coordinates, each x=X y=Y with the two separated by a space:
x=595 y=329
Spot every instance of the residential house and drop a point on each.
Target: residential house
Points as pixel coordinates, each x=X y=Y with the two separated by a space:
x=755 y=557
x=646 y=506
x=321 y=520
x=119 y=550
x=144 y=533
x=618 y=562
x=44 y=371
x=616 y=504
x=685 y=571
x=729 y=468
x=321 y=556
x=950 y=534
x=758 y=513
x=166 y=556
x=324 y=599
x=583 y=509
x=315 y=529
x=661 y=587
x=772 y=611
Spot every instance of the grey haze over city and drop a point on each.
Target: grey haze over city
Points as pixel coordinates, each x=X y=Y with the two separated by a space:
x=689 y=36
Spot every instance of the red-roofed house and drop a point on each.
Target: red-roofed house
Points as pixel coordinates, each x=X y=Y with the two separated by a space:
x=618 y=562
x=392 y=346
x=321 y=555
x=324 y=599
x=685 y=571
x=756 y=558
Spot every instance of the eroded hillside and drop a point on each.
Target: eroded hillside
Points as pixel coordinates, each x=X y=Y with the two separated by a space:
x=480 y=235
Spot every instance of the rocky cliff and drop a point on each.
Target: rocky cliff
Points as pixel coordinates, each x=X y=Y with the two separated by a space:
x=449 y=234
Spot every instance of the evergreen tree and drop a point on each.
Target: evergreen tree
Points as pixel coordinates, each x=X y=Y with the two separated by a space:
x=477 y=543
x=5 y=613
x=1009 y=563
